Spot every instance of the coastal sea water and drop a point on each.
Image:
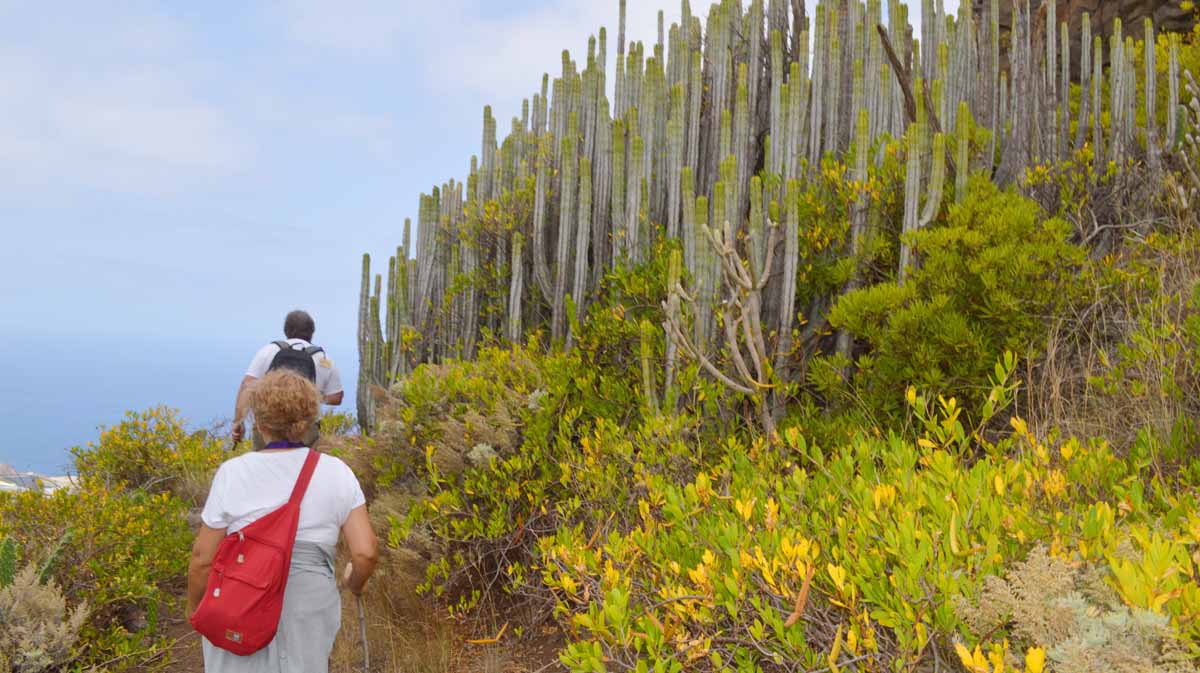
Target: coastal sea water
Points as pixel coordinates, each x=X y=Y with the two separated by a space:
x=59 y=389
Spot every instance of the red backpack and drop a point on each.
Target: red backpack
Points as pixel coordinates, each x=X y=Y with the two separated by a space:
x=244 y=596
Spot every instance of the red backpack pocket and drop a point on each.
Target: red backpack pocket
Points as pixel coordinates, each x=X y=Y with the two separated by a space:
x=243 y=599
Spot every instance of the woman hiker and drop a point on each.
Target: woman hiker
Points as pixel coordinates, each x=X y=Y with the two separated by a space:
x=247 y=487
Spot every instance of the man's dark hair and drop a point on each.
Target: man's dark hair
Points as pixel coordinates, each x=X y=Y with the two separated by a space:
x=299 y=325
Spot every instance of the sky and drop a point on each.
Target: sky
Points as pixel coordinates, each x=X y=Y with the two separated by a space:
x=178 y=175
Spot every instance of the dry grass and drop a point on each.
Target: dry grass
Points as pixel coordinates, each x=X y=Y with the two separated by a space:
x=410 y=634
x=1066 y=391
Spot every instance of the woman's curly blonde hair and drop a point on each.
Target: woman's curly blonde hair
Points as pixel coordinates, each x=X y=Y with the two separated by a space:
x=285 y=405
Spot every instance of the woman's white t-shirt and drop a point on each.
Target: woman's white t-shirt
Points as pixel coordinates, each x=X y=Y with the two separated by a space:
x=255 y=484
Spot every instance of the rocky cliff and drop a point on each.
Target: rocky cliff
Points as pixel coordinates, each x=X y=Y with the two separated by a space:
x=1168 y=16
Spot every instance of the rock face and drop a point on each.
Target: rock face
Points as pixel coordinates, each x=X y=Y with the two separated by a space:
x=1168 y=16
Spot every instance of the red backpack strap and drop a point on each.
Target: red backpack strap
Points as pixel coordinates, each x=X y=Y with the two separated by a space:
x=306 y=473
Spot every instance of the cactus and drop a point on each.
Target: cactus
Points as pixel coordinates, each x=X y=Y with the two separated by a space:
x=817 y=94
x=912 y=192
x=647 y=334
x=937 y=180
x=1151 y=95
x=583 y=236
x=10 y=556
x=568 y=191
x=48 y=566
x=619 y=226
x=1063 y=138
x=1085 y=82
x=1097 y=101
x=997 y=105
x=674 y=279
x=791 y=253
x=714 y=128
x=516 y=288
x=962 y=146
x=633 y=212
x=1173 y=91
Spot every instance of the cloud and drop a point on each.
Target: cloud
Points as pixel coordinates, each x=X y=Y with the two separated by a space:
x=107 y=109
x=469 y=47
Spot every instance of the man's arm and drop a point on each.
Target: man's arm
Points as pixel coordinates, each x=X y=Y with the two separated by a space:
x=335 y=399
x=241 y=405
x=203 y=551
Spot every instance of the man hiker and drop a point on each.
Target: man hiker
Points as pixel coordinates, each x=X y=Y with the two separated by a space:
x=295 y=352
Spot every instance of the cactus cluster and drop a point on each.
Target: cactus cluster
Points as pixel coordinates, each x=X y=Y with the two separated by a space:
x=714 y=126
x=10 y=559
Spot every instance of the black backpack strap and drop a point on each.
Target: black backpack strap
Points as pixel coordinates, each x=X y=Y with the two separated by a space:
x=283 y=345
x=313 y=350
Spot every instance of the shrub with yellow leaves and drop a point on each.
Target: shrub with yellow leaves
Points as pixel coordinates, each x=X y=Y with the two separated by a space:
x=125 y=555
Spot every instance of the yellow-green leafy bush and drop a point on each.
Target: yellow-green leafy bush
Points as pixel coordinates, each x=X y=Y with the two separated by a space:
x=678 y=543
x=125 y=556
x=152 y=451
x=710 y=573
x=986 y=280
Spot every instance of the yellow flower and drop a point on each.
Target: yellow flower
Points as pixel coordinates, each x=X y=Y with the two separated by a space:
x=1035 y=660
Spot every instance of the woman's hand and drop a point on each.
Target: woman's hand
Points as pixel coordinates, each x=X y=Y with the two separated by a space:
x=344 y=579
x=364 y=550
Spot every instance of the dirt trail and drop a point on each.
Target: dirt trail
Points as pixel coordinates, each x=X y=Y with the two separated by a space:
x=420 y=646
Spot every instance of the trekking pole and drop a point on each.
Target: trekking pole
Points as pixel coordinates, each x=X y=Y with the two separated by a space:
x=362 y=630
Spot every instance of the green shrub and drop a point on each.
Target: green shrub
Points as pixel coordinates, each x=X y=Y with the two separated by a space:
x=153 y=451
x=987 y=280
x=125 y=555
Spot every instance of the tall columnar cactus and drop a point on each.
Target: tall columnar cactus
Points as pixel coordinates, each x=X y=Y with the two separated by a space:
x=818 y=94
x=718 y=127
x=49 y=564
x=363 y=391
x=619 y=207
x=541 y=270
x=791 y=254
x=1116 y=93
x=688 y=219
x=674 y=161
x=741 y=142
x=633 y=212
x=514 y=328
x=912 y=195
x=1173 y=92
x=10 y=557
x=1151 y=96
x=963 y=149
x=778 y=128
x=583 y=237
x=756 y=251
x=994 y=120
x=1062 y=143
x=647 y=333
x=937 y=181
x=1085 y=82
x=703 y=275
x=833 y=80
x=568 y=192
x=1097 y=102
x=858 y=222
x=674 y=286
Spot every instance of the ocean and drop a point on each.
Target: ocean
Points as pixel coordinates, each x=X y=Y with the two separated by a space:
x=61 y=389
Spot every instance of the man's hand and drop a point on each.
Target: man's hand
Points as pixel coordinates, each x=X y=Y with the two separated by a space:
x=239 y=432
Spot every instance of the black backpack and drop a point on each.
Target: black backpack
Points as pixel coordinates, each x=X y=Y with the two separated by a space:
x=297 y=360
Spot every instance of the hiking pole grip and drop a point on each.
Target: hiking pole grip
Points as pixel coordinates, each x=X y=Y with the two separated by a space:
x=362 y=630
